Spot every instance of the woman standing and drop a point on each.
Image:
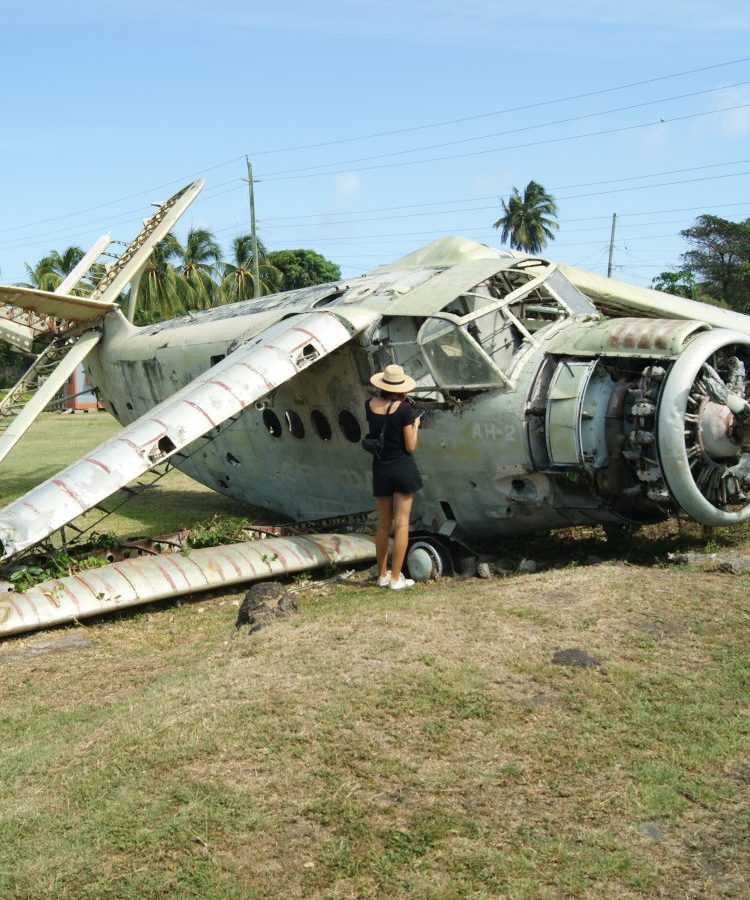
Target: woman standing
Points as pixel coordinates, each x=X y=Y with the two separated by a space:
x=395 y=477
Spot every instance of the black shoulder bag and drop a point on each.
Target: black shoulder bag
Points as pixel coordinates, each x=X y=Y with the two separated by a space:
x=376 y=445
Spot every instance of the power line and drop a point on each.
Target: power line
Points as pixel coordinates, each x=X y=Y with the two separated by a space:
x=640 y=187
x=501 y=112
x=239 y=157
x=565 y=187
x=557 y=140
x=484 y=137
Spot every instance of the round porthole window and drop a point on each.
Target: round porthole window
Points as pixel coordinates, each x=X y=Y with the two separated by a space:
x=271 y=421
x=321 y=425
x=349 y=427
x=294 y=424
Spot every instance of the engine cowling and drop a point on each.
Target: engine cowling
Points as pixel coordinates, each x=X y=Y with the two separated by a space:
x=701 y=428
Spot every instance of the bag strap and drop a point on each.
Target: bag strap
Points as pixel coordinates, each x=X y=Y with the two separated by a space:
x=388 y=412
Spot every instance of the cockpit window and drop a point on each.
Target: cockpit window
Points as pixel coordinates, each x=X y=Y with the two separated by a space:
x=477 y=338
x=454 y=358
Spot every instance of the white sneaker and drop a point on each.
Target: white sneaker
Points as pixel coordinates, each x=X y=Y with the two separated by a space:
x=401 y=583
x=385 y=580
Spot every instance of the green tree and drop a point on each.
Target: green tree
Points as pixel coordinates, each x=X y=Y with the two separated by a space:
x=303 y=268
x=528 y=221
x=719 y=258
x=163 y=292
x=681 y=284
x=199 y=261
x=51 y=270
x=238 y=282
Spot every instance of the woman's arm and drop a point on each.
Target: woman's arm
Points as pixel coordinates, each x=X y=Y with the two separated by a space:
x=411 y=433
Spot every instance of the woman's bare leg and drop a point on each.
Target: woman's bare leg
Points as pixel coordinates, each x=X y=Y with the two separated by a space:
x=401 y=516
x=384 y=507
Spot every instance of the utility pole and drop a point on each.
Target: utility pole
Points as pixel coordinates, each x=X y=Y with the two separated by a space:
x=611 y=246
x=253 y=233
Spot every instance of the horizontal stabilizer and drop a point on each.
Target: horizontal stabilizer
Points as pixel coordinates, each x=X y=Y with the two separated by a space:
x=248 y=373
x=48 y=303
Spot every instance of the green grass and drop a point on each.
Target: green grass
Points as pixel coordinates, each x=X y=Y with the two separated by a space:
x=55 y=441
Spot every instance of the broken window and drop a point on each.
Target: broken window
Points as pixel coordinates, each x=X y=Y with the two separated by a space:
x=454 y=358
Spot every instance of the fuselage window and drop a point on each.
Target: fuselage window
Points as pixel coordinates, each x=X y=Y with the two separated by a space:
x=321 y=425
x=349 y=427
x=294 y=423
x=271 y=421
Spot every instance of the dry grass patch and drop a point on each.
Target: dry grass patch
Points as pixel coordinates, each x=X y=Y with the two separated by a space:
x=420 y=745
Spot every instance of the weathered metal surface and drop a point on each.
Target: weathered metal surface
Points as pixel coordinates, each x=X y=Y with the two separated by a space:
x=698 y=482
x=138 y=251
x=17 y=334
x=634 y=337
x=143 y=580
x=443 y=288
x=227 y=388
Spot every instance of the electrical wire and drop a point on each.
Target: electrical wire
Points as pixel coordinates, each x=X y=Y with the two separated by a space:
x=520 y=130
x=541 y=143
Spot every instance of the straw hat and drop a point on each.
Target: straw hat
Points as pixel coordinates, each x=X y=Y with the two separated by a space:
x=393 y=379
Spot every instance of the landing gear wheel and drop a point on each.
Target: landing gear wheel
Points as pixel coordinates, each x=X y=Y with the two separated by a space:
x=426 y=560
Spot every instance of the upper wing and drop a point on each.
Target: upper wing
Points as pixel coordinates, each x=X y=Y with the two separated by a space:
x=244 y=376
x=617 y=298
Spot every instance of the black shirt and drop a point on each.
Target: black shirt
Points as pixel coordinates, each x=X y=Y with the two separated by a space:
x=402 y=415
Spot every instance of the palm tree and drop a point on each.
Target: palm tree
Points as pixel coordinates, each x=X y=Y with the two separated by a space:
x=51 y=269
x=528 y=220
x=199 y=259
x=238 y=282
x=163 y=292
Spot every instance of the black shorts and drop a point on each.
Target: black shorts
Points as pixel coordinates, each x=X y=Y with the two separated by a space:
x=395 y=476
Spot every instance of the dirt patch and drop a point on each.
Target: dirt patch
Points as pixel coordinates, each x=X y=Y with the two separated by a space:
x=78 y=639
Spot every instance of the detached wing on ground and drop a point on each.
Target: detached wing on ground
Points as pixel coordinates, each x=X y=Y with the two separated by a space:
x=244 y=376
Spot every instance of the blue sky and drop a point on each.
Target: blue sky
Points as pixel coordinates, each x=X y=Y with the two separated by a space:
x=374 y=128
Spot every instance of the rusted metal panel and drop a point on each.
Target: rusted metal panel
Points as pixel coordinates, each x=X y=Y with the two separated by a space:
x=146 y=579
x=634 y=337
x=615 y=297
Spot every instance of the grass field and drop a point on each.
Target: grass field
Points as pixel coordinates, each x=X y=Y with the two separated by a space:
x=55 y=441
x=420 y=744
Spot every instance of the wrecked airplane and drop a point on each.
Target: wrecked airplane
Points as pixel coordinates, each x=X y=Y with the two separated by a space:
x=553 y=397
